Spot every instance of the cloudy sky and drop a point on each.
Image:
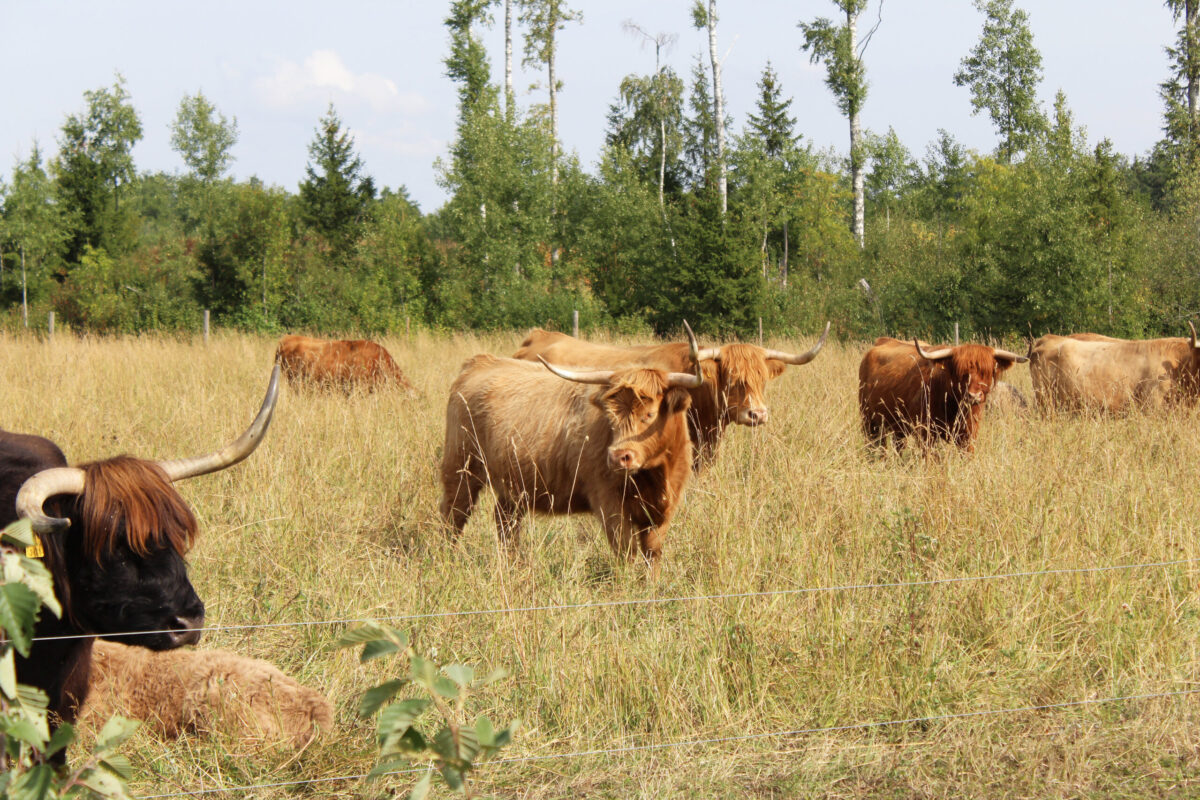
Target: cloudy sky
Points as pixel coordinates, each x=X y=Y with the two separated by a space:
x=276 y=66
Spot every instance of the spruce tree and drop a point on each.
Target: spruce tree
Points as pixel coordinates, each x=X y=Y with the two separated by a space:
x=772 y=124
x=335 y=194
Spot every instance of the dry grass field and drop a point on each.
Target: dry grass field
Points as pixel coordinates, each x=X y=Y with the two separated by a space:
x=334 y=518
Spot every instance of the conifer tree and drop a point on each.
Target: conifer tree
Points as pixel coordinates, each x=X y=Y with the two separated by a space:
x=335 y=193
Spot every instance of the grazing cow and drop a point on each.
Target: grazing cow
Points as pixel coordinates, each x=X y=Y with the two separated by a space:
x=612 y=442
x=205 y=691
x=114 y=534
x=1087 y=371
x=344 y=364
x=735 y=377
x=940 y=394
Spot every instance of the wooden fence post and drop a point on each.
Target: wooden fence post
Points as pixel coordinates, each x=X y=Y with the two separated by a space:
x=760 y=331
x=50 y=324
x=206 y=326
x=575 y=323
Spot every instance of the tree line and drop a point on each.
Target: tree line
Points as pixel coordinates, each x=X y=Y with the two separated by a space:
x=688 y=213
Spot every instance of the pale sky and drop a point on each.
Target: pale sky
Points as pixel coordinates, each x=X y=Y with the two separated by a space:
x=276 y=66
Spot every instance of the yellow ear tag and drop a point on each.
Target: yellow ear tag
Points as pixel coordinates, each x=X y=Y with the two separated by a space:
x=35 y=550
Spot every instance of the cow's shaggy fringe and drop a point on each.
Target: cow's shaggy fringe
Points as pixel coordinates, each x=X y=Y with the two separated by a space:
x=139 y=498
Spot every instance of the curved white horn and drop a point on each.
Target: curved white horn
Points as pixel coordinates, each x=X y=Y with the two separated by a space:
x=236 y=450
x=1193 y=328
x=802 y=358
x=1010 y=355
x=936 y=355
x=598 y=376
x=40 y=487
x=694 y=352
x=685 y=379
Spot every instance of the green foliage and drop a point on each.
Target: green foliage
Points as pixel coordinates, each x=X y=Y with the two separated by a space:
x=459 y=745
x=1003 y=71
x=146 y=290
x=335 y=193
x=845 y=73
x=34 y=228
x=94 y=165
x=203 y=138
x=26 y=744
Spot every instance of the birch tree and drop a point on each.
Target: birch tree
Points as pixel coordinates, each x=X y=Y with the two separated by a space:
x=1181 y=92
x=663 y=93
x=510 y=98
x=846 y=76
x=545 y=18
x=1003 y=71
x=34 y=223
x=705 y=16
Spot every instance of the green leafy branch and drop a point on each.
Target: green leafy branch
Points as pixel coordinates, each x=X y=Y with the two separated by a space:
x=459 y=746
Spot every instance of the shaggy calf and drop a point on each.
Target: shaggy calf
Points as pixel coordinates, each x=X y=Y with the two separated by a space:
x=201 y=691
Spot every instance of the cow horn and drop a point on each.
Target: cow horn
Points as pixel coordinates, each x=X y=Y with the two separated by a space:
x=34 y=493
x=235 y=451
x=686 y=380
x=802 y=358
x=694 y=352
x=598 y=376
x=1193 y=328
x=40 y=487
x=1010 y=355
x=936 y=355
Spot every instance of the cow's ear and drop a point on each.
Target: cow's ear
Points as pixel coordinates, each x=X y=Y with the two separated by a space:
x=775 y=368
x=1003 y=364
x=676 y=399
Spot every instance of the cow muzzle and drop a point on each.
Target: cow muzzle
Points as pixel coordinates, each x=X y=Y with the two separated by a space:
x=753 y=416
x=976 y=398
x=622 y=459
x=185 y=630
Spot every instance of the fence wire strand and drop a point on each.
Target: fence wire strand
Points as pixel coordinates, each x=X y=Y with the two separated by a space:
x=711 y=741
x=648 y=600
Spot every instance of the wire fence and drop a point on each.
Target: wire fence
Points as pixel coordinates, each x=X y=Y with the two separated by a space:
x=645 y=601
x=1027 y=574
x=611 y=751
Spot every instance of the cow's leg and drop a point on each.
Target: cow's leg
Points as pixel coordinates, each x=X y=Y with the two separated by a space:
x=509 y=515
x=650 y=540
x=460 y=491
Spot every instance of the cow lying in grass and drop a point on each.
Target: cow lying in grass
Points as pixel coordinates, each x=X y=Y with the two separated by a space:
x=205 y=691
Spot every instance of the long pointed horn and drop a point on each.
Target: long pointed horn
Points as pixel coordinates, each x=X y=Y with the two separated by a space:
x=936 y=355
x=694 y=352
x=598 y=376
x=802 y=358
x=1193 y=328
x=685 y=379
x=236 y=450
x=34 y=493
x=1010 y=355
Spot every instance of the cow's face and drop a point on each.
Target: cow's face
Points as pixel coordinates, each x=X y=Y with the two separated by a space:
x=744 y=372
x=126 y=591
x=644 y=416
x=974 y=370
x=123 y=557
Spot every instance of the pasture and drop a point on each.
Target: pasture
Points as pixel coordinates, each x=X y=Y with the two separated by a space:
x=334 y=518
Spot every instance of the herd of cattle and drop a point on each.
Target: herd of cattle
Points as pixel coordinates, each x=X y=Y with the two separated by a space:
x=617 y=431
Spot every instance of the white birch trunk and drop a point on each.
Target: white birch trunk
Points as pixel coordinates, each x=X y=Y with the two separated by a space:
x=509 y=95
x=718 y=106
x=856 y=155
x=662 y=161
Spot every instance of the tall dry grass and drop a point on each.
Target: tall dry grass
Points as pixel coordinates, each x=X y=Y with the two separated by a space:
x=335 y=518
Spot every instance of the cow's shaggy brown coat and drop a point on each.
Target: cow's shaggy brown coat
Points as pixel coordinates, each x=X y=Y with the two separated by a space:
x=902 y=393
x=345 y=364
x=734 y=389
x=545 y=444
x=1090 y=372
x=204 y=691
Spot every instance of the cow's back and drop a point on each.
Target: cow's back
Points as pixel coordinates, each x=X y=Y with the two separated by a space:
x=1090 y=372
x=21 y=456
